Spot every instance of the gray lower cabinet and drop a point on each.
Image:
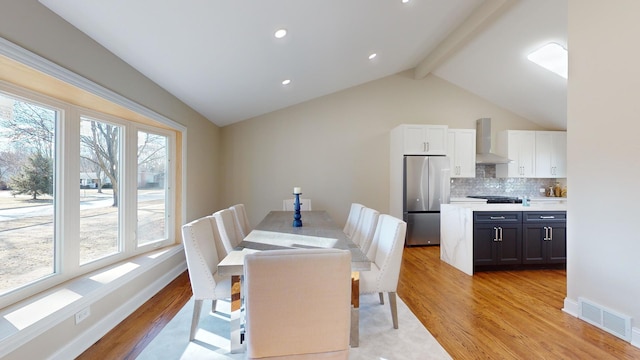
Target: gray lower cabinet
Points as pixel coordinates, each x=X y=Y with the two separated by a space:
x=544 y=238
x=519 y=238
x=497 y=238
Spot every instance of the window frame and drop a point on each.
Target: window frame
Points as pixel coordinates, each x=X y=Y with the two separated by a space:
x=66 y=264
x=170 y=186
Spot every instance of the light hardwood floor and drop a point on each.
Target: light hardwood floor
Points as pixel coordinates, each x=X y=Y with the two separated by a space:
x=492 y=315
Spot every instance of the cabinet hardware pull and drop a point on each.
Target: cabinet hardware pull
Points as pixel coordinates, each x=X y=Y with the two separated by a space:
x=546 y=234
x=550 y=233
x=547 y=217
x=500 y=228
x=497 y=217
x=495 y=233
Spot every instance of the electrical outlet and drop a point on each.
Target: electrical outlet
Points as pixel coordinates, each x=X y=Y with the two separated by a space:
x=82 y=314
x=542 y=190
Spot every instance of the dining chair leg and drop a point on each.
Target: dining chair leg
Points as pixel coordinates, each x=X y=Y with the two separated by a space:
x=197 y=307
x=213 y=306
x=381 y=298
x=394 y=309
x=354 y=338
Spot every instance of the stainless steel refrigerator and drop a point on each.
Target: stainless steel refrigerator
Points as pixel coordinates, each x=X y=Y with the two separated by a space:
x=427 y=184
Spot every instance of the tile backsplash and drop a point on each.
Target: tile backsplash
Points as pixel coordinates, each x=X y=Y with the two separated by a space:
x=486 y=183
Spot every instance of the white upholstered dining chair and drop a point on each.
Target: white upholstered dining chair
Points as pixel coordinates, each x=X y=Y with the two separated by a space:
x=352 y=218
x=240 y=215
x=305 y=204
x=229 y=230
x=365 y=228
x=386 y=256
x=202 y=264
x=295 y=308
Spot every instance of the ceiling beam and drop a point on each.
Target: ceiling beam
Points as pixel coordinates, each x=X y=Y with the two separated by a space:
x=480 y=18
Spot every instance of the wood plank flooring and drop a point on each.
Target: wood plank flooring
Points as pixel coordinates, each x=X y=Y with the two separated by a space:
x=492 y=315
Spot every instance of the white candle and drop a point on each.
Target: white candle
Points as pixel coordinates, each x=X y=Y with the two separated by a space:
x=297 y=190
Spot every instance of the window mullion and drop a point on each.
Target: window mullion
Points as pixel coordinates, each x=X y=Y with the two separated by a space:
x=129 y=192
x=68 y=208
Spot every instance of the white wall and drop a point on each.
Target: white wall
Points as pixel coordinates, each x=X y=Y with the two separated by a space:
x=337 y=147
x=603 y=155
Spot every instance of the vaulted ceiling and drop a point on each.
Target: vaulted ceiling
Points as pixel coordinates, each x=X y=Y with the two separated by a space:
x=222 y=59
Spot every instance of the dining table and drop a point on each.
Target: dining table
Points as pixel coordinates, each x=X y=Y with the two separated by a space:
x=276 y=231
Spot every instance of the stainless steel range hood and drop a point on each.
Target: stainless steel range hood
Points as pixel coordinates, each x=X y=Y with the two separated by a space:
x=483 y=144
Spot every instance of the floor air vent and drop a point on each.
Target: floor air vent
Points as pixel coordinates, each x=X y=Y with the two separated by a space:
x=610 y=321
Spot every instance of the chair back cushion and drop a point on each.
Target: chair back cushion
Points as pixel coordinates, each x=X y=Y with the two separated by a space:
x=228 y=229
x=240 y=215
x=386 y=254
x=365 y=229
x=352 y=219
x=202 y=257
x=297 y=302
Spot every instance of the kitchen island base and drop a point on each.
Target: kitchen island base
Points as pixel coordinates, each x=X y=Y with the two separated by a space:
x=479 y=237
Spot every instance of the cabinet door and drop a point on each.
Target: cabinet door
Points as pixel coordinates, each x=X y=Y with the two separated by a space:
x=520 y=147
x=485 y=237
x=509 y=245
x=533 y=244
x=414 y=139
x=436 y=139
x=551 y=154
x=559 y=158
x=544 y=153
x=557 y=244
x=425 y=139
x=462 y=152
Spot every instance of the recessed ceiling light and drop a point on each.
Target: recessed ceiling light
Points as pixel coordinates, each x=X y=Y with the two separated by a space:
x=405 y=1
x=553 y=57
x=372 y=56
x=286 y=82
x=280 y=33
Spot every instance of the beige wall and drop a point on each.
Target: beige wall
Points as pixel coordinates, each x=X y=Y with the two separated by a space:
x=337 y=147
x=603 y=149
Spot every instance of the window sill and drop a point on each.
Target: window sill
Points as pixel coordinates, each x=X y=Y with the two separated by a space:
x=26 y=320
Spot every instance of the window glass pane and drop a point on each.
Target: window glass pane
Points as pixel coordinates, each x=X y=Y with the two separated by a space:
x=152 y=187
x=99 y=181
x=27 y=242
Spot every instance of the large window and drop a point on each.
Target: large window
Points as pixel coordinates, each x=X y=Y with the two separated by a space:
x=153 y=163
x=27 y=194
x=99 y=182
x=79 y=190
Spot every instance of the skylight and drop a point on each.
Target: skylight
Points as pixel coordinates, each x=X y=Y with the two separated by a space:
x=553 y=57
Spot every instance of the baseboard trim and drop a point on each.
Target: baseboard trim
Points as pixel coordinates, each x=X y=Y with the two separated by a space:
x=81 y=343
x=635 y=337
x=571 y=307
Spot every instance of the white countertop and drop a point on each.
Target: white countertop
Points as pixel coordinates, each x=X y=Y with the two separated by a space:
x=509 y=207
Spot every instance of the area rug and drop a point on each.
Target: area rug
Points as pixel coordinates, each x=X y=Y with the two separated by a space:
x=378 y=339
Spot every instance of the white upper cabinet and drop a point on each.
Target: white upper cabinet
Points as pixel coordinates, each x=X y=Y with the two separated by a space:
x=425 y=139
x=462 y=152
x=535 y=154
x=520 y=147
x=551 y=154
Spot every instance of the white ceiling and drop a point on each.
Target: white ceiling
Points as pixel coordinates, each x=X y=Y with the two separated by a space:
x=220 y=57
